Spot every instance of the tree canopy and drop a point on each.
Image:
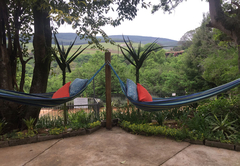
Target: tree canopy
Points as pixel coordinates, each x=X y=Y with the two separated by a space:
x=224 y=15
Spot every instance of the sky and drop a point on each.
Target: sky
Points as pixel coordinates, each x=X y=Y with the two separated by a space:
x=187 y=16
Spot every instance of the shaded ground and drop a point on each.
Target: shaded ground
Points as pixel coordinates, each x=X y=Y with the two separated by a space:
x=116 y=147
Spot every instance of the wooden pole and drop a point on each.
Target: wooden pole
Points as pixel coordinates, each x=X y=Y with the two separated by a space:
x=108 y=91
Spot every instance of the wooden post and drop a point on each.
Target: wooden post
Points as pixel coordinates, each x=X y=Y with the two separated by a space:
x=108 y=91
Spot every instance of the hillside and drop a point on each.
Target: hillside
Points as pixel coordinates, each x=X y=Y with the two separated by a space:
x=66 y=38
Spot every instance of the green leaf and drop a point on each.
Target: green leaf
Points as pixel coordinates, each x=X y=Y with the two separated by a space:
x=68 y=67
x=129 y=60
x=131 y=50
x=56 y=42
x=74 y=56
x=58 y=60
x=70 y=47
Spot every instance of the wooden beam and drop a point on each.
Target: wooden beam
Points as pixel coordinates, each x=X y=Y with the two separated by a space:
x=108 y=91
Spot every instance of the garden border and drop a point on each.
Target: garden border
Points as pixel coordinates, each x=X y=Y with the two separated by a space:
x=215 y=144
x=40 y=138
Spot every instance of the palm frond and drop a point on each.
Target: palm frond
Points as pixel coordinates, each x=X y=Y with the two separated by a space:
x=56 y=42
x=139 y=49
x=74 y=56
x=129 y=60
x=68 y=67
x=58 y=61
x=148 y=51
x=62 y=54
x=70 y=47
x=131 y=50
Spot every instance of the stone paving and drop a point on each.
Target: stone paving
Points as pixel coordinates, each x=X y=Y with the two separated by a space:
x=116 y=147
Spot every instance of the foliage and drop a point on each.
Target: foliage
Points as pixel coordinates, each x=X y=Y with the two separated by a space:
x=223 y=16
x=80 y=119
x=222 y=67
x=185 y=41
x=30 y=125
x=49 y=122
x=206 y=121
x=56 y=131
x=198 y=126
x=21 y=135
x=154 y=130
x=77 y=120
x=94 y=124
x=130 y=113
x=196 y=135
x=223 y=125
x=194 y=124
x=221 y=108
x=159 y=117
x=178 y=112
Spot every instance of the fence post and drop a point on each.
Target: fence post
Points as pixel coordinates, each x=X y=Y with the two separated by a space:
x=108 y=91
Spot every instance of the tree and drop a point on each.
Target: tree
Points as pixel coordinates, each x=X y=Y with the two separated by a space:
x=136 y=57
x=16 y=18
x=219 y=71
x=186 y=39
x=224 y=16
x=64 y=62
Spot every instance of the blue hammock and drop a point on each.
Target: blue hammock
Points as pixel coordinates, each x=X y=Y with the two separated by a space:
x=166 y=103
x=41 y=99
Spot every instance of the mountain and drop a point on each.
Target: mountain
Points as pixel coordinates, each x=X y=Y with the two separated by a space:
x=66 y=38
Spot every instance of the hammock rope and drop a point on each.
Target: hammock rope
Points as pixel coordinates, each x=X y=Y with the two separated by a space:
x=41 y=99
x=166 y=103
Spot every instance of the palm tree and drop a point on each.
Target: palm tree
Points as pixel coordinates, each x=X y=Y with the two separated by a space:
x=64 y=63
x=136 y=56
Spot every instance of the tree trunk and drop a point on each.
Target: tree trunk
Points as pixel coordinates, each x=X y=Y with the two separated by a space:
x=137 y=75
x=64 y=105
x=226 y=24
x=42 y=55
x=11 y=112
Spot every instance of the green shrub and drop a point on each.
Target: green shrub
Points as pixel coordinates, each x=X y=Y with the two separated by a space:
x=56 y=131
x=132 y=114
x=49 y=122
x=155 y=130
x=177 y=113
x=94 y=124
x=80 y=119
x=216 y=119
x=222 y=107
x=223 y=125
x=30 y=125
